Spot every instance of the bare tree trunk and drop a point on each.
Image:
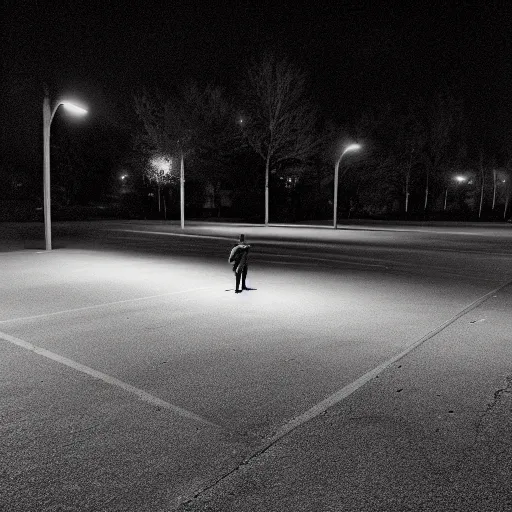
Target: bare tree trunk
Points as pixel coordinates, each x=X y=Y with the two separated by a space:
x=267 y=172
x=165 y=209
x=182 y=192
x=426 y=193
x=335 y=198
x=481 y=201
x=494 y=189
x=407 y=181
x=445 y=198
x=407 y=193
x=218 y=200
x=482 y=178
x=507 y=199
x=159 y=207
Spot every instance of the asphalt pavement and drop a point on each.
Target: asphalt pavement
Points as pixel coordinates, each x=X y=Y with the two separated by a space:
x=367 y=369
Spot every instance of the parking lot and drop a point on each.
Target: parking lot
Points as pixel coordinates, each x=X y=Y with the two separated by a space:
x=137 y=380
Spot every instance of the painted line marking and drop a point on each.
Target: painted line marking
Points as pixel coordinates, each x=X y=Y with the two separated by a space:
x=84 y=308
x=313 y=259
x=314 y=243
x=259 y=243
x=186 y=235
x=346 y=391
x=142 y=395
x=418 y=229
x=425 y=230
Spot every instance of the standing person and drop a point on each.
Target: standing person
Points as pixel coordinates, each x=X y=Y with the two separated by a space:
x=238 y=258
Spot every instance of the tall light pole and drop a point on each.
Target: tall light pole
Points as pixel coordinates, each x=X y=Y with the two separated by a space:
x=182 y=191
x=48 y=114
x=493 y=189
x=407 y=180
x=351 y=147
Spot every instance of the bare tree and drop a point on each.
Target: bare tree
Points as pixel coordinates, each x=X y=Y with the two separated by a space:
x=163 y=136
x=406 y=150
x=196 y=124
x=506 y=156
x=161 y=171
x=164 y=132
x=214 y=135
x=442 y=120
x=279 y=120
x=379 y=167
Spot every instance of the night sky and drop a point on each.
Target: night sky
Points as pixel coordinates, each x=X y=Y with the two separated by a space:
x=358 y=55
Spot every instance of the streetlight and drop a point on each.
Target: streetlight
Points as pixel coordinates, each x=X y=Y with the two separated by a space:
x=162 y=167
x=351 y=147
x=457 y=179
x=48 y=114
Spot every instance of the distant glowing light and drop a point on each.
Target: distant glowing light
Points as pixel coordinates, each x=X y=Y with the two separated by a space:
x=161 y=164
x=74 y=109
x=460 y=179
x=352 y=147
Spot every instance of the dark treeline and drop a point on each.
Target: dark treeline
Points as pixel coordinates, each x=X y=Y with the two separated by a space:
x=274 y=151
x=266 y=152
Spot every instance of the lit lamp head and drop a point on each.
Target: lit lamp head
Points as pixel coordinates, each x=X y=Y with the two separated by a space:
x=74 y=109
x=460 y=179
x=351 y=147
x=161 y=164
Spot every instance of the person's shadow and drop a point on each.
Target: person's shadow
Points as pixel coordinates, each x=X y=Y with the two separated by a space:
x=244 y=290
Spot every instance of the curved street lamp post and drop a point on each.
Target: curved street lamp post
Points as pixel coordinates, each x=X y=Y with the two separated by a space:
x=48 y=114
x=351 y=147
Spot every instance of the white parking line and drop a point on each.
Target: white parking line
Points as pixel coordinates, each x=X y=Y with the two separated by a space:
x=312 y=259
x=166 y=233
x=64 y=311
x=142 y=395
x=346 y=391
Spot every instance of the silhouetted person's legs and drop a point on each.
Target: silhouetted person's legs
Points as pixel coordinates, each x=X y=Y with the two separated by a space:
x=241 y=275
x=238 y=275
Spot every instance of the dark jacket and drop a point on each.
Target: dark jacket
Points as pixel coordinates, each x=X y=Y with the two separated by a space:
x=238 y=256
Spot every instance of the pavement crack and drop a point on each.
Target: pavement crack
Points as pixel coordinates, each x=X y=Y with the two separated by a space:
x=497 y=397
x=259 y=451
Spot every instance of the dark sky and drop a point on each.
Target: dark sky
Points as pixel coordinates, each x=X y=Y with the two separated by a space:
x=358 y=54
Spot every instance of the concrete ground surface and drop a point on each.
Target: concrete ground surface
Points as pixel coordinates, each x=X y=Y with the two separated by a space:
x=366 y=370
x=431 y=433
